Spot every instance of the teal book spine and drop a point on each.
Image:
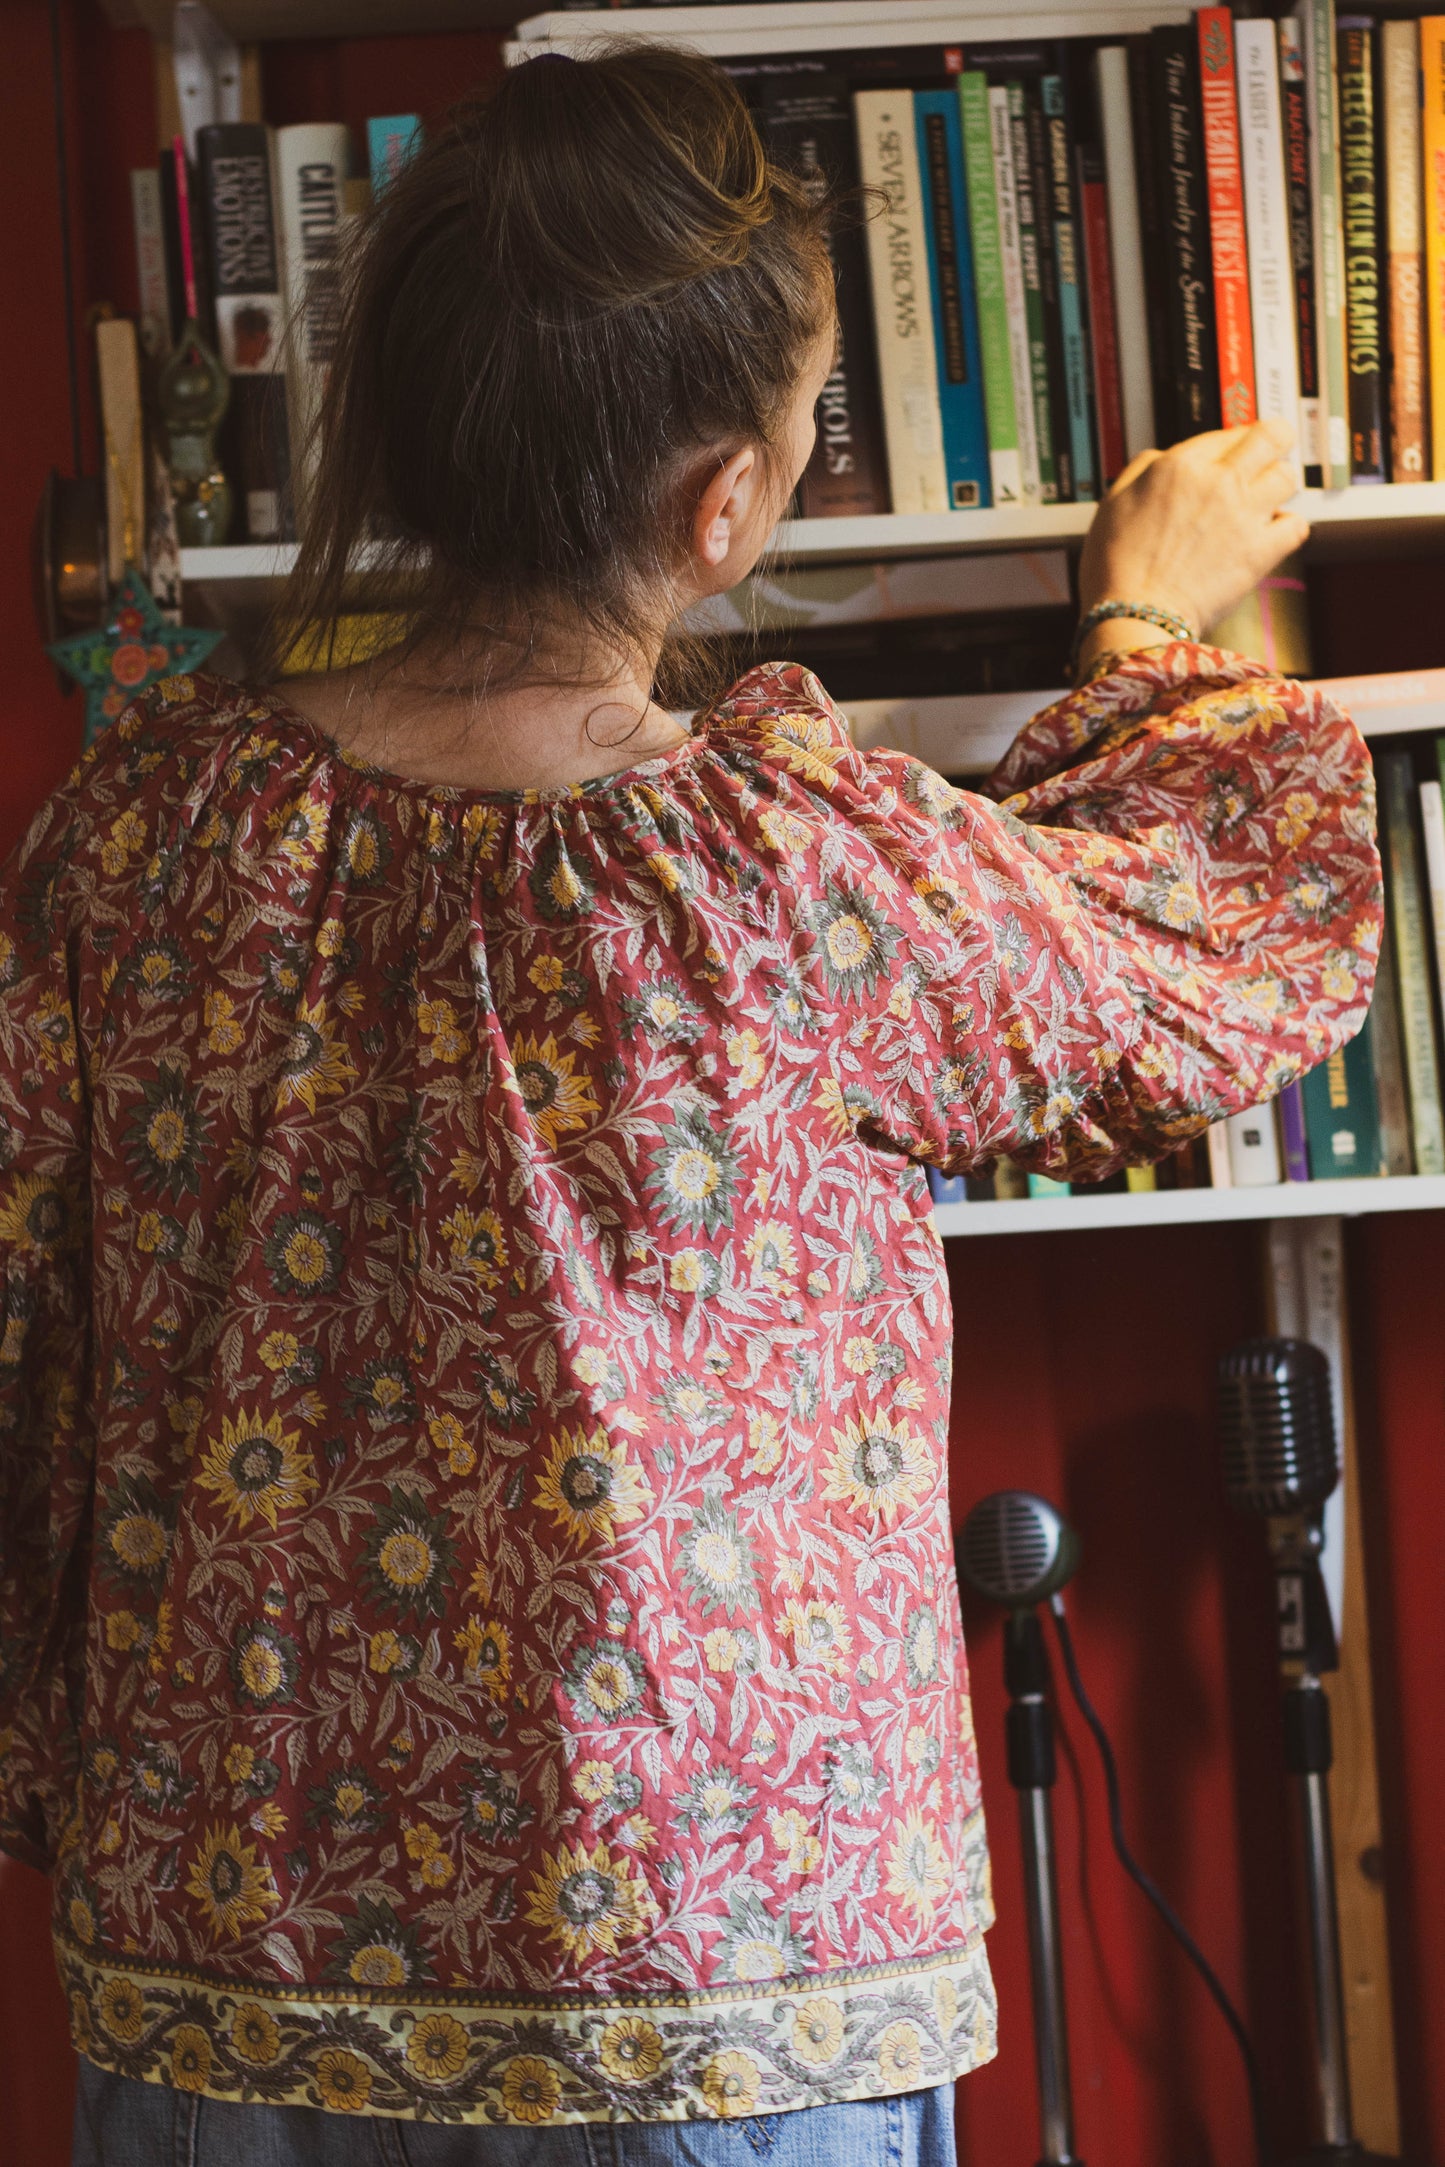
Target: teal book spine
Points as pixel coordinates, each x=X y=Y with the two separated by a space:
x=390 y=140
x=955 y=307
x=1341 y=1117
x=1396 y=775
x=1000 y=413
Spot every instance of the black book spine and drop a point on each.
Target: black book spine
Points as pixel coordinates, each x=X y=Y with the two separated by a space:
x=1294 y=114
x=1360 y=217
x=1040 y=166
x=1151 y=226
x=238 y=216
x=808 y=126
x=1194 y=371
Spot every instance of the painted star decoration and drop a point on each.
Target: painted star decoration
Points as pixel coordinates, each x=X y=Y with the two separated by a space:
x=133 y=649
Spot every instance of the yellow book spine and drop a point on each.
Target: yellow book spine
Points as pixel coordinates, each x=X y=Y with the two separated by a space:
x=1432 y=77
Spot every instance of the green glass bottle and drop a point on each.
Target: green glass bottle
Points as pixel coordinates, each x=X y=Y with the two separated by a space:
x=192 y=394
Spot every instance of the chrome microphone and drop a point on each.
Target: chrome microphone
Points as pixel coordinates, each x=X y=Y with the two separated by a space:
x=1277 y=1427
x=1014 y=1549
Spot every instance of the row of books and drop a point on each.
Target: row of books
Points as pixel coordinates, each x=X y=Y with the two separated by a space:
x=1086 y=249
x=259 y=222
x=1374 y=1108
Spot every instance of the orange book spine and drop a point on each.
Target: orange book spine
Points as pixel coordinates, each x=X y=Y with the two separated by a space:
x=1432 y=77
x=1228 y=245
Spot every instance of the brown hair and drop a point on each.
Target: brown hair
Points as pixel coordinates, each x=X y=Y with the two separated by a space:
x=578 y=283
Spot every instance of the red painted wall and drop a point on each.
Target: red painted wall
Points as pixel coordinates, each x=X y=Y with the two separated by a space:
x=1082 y=1370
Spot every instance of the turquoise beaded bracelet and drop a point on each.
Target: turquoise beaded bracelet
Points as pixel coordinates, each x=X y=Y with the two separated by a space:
x=1148 y=613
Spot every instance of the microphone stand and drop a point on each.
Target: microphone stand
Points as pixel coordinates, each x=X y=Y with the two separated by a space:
x=1306 y=1649
x=1031 y=1771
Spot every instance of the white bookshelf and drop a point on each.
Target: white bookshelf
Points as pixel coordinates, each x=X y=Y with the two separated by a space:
x=825 y=26
x=1082 y=1213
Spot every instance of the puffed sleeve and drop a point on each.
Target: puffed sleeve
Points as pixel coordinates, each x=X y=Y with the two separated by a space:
x=1163 y=906
x=44 y=1334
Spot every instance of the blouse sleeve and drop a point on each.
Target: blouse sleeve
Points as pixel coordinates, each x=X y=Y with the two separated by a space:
x=1163 y=906
x=44 y=1335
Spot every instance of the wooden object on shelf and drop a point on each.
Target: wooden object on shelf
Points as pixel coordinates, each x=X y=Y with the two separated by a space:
x=1305 y=1284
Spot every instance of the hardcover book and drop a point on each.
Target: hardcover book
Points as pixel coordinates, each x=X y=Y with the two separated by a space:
x=1317 y=24
x=311 y=171
x=1031 y=266
x=902 y=303
x=1005 y=467
x=1069 y=256
x=1016 y=302
x=1194 y=364
x=1359 y=220
x=1404 y=249
x=1126 y=248
x=1103 y=322
x=1432 y=78
x=807 y=120
x=1229 y=250
x=240 y=227
x=955 y=311
x=1397 y=1155
x=1340 y=1113
x=1412 y=959
x=1294 y=116
x=1266 y=216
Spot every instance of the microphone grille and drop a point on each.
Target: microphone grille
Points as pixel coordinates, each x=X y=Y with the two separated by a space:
x=1009 y=1548
x=1276 y=1423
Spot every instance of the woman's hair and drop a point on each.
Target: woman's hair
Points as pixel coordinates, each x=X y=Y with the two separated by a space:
x=578 y=283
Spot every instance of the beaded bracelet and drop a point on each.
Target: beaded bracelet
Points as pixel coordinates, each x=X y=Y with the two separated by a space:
x=1147 y=613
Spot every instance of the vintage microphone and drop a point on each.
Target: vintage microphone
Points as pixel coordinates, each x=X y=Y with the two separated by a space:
x=1014 y=1549
x=1276 y=1423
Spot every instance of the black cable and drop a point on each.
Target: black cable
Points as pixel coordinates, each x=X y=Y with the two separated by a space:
x=67 y=269
x=1154 y=1893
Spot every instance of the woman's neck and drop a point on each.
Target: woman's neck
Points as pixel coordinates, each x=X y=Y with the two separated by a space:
x=551 y=730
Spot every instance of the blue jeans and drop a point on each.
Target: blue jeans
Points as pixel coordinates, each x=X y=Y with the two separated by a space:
x=120 y=2122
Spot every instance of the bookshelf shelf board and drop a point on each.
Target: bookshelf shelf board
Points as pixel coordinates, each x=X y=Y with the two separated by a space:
x=251 y=21
x=1192 y=1207
x=1342 y=518
x=833 y=25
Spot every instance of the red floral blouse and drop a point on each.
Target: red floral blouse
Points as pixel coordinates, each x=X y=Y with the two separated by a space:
x=479 y=1629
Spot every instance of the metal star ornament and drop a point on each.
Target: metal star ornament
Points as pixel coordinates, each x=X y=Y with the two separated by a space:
x=133 y=649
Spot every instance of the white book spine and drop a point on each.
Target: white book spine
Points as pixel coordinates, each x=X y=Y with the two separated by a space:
x=1126 y=249
x=1221 y=1166
x=1317 y=25
x=309 y=195
x=1006 y=183
x=1432 y=820
x=150 y=261
x=1254 y=1161
x=1311 y=410
x=1266 y=220
x=902 y=302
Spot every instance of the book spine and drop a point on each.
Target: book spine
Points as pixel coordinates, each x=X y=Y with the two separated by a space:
x=955 y=315
x=309 y=181
x=1005 y=468
x=1221 y=1163
x=1360 y=224
x=1141 y=1180
x=1034 y=314
x=809 y=129
x=240 y=228
x=1045 y=1185
x=390 y=140
x=1404 y=248
x=1229 y=250
x=1432 y=823
x=1126 y=249
x=1266 y=217
x=1103 y=316
x=902 y=306
x=1432 y=86
x=1190 y=282
x=1294 y=1143
x=148 y=226
x=1042 y=191
x=1412 y=958
x=1340 y=1113
x=1068 y=253
x=1294 y=116
x=947 y=1188
x=1254 y=1160
x=1317 y=20
x=1392 y=1099
x=1150 y=184
x=1020 y=359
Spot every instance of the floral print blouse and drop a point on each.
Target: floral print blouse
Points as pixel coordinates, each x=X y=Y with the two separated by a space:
x=478 y=1623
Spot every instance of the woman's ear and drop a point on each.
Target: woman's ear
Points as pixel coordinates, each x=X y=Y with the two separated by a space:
x=723 y=506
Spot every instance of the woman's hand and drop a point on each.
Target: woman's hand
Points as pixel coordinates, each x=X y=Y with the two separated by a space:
x=1194 y=529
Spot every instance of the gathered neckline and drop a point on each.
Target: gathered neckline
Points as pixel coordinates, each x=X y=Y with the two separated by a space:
x=411 y=786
